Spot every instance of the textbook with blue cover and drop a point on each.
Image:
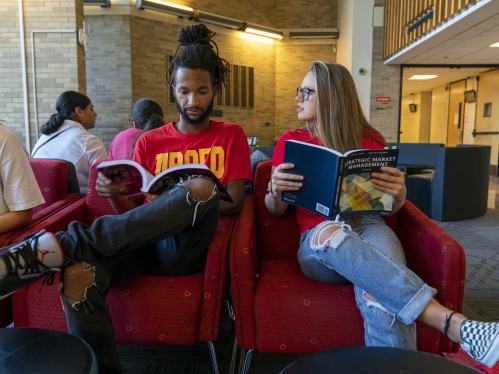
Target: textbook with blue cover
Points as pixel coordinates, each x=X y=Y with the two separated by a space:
x=338 y=183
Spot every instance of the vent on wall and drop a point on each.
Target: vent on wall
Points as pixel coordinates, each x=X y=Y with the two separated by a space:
x=102 y=3
x=314 y=34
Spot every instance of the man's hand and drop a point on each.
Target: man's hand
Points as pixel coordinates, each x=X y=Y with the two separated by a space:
x=106 y=188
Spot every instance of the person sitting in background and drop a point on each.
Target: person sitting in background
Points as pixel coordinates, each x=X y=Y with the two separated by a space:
x=146 y=115
x=65 y=135
x=19 y=191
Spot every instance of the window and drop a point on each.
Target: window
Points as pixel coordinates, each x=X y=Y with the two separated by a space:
x=487 y=109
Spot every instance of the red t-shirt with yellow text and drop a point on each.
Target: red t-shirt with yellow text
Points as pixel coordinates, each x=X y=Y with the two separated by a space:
x=305 y=218
x=223 y=147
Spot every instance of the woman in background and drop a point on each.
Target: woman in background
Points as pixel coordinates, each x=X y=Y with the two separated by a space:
x=65 y=135
x=146 y=115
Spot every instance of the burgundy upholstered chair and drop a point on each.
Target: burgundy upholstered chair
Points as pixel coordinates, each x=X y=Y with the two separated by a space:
x=52 y=177
x=150 y=309
x=277 y=309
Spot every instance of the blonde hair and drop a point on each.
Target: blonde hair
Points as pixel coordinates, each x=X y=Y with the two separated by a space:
x=340 y=123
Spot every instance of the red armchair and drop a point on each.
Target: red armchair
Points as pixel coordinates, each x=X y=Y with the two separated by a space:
x=150 y=309
x=52 y=177
x=277 y=309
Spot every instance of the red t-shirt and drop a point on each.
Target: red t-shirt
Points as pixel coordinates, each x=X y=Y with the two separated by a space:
x=305 y=218
x=222 y=147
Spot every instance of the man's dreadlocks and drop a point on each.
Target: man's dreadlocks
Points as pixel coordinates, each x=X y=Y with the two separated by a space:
x=200 y=52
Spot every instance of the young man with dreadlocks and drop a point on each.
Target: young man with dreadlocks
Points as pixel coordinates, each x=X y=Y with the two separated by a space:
x=173 y=229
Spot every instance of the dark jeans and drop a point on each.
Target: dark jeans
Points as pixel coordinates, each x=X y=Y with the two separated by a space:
x=173 y=230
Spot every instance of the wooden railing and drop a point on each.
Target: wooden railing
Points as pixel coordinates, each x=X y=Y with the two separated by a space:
x=405 y=21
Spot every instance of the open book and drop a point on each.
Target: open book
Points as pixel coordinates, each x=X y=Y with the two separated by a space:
x=338 y=183
x=139 y=180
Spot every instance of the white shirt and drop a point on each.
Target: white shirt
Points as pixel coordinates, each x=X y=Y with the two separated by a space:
x=76 y=145
x=18 y=186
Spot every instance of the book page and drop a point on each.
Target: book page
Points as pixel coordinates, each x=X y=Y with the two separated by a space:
x=127 y=173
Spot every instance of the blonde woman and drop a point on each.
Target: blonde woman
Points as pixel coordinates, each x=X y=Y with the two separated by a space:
x=364 y=251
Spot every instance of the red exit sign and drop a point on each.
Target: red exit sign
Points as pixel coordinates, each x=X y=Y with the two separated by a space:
x=382 y=99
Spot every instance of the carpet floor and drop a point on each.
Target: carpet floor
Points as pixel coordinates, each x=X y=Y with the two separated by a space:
x=480 y=240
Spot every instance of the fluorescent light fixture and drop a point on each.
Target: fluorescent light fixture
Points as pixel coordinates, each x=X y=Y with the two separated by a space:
x=314 y=33
x=102 y=3
x=495 y=45
x=256 y=38
x=165 y=7
x=422 y=77
x=262 y=31
x=215 y=19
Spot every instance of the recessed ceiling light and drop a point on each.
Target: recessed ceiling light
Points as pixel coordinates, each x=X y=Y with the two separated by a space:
x=421 y=77
x=495 y=45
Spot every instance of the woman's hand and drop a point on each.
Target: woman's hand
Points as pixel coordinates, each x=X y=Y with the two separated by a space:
x=106 y=188
x=392 y=180
x=282 y=181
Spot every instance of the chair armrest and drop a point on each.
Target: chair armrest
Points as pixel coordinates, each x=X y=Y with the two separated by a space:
x=433 y=255
x=216 y=280
x=58 y=221
x=244 y=261
x=39 y=218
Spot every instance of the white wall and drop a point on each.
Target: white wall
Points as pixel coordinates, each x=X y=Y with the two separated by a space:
x=355 y=22
x=439 y=114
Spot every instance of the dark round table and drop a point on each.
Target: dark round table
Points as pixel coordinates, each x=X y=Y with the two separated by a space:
x=29 y=350
x=376 y=360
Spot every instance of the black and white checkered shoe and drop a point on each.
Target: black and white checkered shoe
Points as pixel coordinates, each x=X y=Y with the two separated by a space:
x=481 y=341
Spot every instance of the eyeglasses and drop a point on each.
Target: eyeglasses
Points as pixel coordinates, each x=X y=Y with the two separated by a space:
x=130 y=120
x=304 y=92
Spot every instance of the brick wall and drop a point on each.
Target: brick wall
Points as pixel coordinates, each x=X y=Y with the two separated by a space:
x=261 y=12
x=58 y=59
x=385 y=82
x=281 y=14
x=306 y=15
x=11 y=92
x=293 y=62
x=109 y=74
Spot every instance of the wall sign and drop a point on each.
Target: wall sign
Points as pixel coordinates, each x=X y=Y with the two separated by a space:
x=382 y=99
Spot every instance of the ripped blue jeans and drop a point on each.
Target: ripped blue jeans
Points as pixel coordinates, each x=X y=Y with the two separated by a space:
x=371 y=257
x=174 y=229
